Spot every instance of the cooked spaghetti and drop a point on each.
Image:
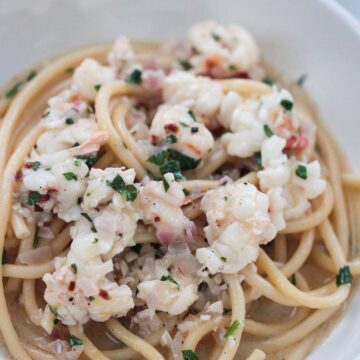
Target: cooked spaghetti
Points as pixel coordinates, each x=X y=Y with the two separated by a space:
x=169 y=202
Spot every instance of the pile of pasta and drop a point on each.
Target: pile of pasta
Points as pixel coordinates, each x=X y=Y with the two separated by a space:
x=169 y=201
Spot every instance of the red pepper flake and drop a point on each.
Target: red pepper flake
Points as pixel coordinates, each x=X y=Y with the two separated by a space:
x=243 y=75
x=157 y=218
x=171 y=128
x=291 y=142
x=52 y=190
x=44 y=197
x=18 y=175
x=28 y=165
x=72 y=285
x=104 y=294
x=117 y=279
x=38 y=208
x=154 y=139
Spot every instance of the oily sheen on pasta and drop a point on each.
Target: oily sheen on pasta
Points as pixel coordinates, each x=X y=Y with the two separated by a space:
x=169 y=202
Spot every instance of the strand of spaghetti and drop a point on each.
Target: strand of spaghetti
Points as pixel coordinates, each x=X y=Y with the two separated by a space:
x=245 y=87
x=322 y=260
x=256 y=355
x=200 y=329
x=293 y=293
x=212 y=162
x=103 y=115
x=39 y=354
x=90 y=350
x=332 y=244
x=237 y=298
x=128 y=139
x=280 y=248
x=31 y=91
x=301 y=349
x=18 y=224
x=265 y=329
x=28 y=271
x=106 y=160
x=56 y=226
x=215 y=351
x=351 y=181
x=61 y=241
x=29 y=300
x=340 y=214
x=312 y=322
x=127 y=353
x=315 y=218
x=13 y=285
x=6 y=190
x=133 y=341
x=300 y=255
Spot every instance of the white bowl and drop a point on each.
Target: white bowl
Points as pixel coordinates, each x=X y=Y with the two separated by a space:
x=314 y=37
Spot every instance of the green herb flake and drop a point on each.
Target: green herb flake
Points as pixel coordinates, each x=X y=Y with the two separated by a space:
x=31 y=75
x=69 y=121
x=135 y=77
x=224 y=259
x=159 y=158
x=77 y=163
x=129 y=192
x=189 y=355
x=70 y=176
x=171 y=167
x=301 y=172
x=233 y=327
x=136 y=248
x=36 y=237
x=75 y=341
x=293 y=279
x=258 y=160
x=5 y=258
x=269 y=80
x=166 y=185
x=34 y=198
x=344 y=276
x=232 y=67
x=90 y=160
x=185 y=65
x=88 y=218
x=287 y=104
x=45 y=114
x=268 y=131
x=91 y=298
x=183 y=124
x=171 y=279
x=36 y=165
x=97 y=87
x=171 y=139
x=191 y=113
x=185 y=162
x=95 y=241
x=74 y=268
x=14 y=90
x=301 y=80
x=215 y=36
x=186 y=192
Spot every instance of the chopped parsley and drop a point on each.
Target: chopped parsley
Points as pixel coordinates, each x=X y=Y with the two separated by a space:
x=301 y=80
x=75 y=341
x=88 y=218
x=344 y=276
x=171 y=139
x=5 y=258
x=69 y=121
x=45 y=114
x=171 y=167
x=287 y=104
x=189 y=355
x=183 y=124
x=224 y=259
x=136 y=248
x=301 y=172
x=268 y=131
x=269 y=80
x=16 y=87
x=128 y=191
x=215 y=36
x=95 y=241
x=171 y=279
x=97 y=87
x=186 y=192
x=185 y=65
x=166 y=184
x=232 y=67
x=74 y=268
x=36 y=165
x=258 y=160
x=293 y=279
x=34 y=198
x=90 y=160
x=70 y=176
x=191 y=113
x=77 y=163
x=135 y=77
x=36 y=237
x=230 y=331
x=194 y=129
x=159 y=158
x=185 y=162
